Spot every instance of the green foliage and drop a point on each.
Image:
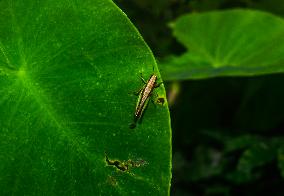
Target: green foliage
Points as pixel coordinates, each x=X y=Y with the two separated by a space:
x=258 y=153
x=228 y=135
x=67 y=69
x=224 y=43
x=227 y=131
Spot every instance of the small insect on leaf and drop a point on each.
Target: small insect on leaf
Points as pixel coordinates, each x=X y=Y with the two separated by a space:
x=143 y=99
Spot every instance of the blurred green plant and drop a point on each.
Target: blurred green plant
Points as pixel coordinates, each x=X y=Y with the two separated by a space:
x=227 y=43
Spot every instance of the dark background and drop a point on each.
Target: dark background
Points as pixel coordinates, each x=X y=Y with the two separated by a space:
x=227 y=132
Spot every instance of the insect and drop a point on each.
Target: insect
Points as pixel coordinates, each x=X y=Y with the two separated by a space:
x=144 y=95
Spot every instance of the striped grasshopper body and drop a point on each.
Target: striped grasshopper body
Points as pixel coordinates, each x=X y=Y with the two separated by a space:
x=144 y=97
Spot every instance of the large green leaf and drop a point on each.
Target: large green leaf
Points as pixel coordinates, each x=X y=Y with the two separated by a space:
x=227 y=43
x=68 y=68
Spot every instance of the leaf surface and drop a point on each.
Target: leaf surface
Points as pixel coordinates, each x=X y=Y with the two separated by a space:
x=67 y=68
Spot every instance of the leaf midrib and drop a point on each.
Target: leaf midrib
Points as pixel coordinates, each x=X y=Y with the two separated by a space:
x=66 y=131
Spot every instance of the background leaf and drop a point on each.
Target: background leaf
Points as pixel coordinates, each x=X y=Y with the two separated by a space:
x=67 y=69
x=224 y=43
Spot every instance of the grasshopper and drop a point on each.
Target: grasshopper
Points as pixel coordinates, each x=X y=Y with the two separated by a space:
x=144 y=95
